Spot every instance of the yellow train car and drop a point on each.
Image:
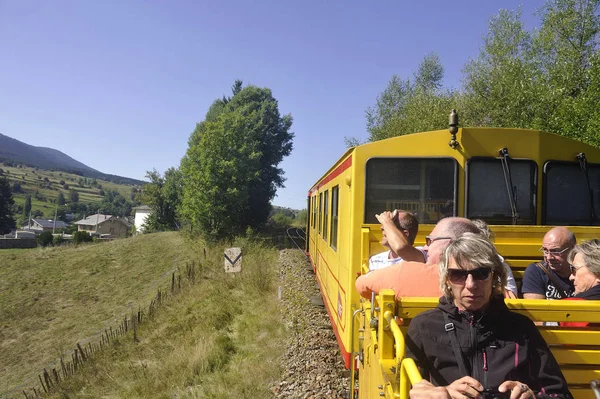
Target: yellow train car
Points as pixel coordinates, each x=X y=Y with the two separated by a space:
x=520 y=181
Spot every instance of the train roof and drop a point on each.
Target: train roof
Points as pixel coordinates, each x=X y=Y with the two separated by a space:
x=522 y=143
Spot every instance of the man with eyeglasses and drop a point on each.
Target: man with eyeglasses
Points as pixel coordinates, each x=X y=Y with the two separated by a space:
x=399 y=230
x=550 y=279
x=409 y=279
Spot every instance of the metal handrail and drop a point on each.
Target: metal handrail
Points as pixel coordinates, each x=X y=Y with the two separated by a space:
x=352 y=354
x=409 y=373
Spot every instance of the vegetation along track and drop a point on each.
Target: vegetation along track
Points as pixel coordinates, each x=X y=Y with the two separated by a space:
x=312 y=366
x=298 y=237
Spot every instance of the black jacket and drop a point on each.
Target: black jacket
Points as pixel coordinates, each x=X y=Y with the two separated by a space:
x=497 y=345
x=592 y=293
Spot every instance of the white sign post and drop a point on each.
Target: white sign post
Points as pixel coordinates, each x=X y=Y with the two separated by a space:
x=233 y=260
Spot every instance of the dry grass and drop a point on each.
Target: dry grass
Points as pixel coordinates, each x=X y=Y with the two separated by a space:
x=220 y=338
x=52 y=298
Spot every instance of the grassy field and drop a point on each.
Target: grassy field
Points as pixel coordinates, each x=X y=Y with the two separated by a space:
x=50 y=298
x=219 y=338
x=47 y=184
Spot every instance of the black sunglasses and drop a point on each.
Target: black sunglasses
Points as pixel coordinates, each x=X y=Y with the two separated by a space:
x=459 y=276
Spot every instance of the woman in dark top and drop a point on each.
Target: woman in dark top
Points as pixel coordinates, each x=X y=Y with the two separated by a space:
x=585 y=269
x=471 y=344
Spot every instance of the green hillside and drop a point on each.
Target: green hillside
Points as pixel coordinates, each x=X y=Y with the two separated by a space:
x=44 y=187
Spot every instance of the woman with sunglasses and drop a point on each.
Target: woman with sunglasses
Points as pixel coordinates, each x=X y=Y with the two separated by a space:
x=471 y=344
x=584 y=260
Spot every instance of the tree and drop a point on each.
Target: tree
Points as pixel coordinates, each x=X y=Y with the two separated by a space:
x=60 y=199
x=230 y=171
x=114 y=203
x=7 y=222
x=80 y=237
x=409 y=106
x=73 y=195
x=45 y=238
x=27 y=207
x=501 y=83
x=163 y=196
x=567 y=47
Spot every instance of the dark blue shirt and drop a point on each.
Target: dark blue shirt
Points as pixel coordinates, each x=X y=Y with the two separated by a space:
x=535 y=281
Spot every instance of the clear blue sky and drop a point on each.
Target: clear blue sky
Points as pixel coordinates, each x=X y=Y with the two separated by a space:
x=119 y=85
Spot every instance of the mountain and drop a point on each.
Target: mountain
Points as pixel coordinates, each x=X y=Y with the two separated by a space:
x=17 y=152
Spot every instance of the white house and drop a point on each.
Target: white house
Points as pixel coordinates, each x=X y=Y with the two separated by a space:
x=141 y=213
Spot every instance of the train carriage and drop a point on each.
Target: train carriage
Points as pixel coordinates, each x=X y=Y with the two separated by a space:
x=519 y=181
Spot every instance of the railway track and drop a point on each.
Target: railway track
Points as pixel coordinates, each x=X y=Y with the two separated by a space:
x=312 y=366
x=298 y=236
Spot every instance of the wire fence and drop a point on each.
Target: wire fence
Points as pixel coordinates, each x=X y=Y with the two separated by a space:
x=45 y=380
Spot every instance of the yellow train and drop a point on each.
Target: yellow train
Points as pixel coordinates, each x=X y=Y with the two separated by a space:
x=519 y=181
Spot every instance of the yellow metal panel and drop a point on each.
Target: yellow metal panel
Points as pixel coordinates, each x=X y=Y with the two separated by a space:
x=582 y=393
x=575 y=376
x=572 y=336
x=565 y=356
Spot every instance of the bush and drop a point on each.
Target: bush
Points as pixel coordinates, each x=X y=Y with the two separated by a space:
x=58 y=240
x=44 y=239
x=81 y=237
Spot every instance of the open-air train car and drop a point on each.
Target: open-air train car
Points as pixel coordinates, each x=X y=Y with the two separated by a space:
x=520 y=181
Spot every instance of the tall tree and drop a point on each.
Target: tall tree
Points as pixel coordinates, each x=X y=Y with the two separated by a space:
x=27 y=207
x=60 y=200
x=567 y=47
x=500 y=84
x=163 y=196
x=230 y=171
x=408 y=106
x=7 y=221
x=73 y=195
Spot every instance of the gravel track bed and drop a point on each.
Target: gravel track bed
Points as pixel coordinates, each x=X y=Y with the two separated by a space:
x=312 y=366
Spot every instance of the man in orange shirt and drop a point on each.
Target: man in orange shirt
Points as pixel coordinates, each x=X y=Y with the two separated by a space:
x=416 y=278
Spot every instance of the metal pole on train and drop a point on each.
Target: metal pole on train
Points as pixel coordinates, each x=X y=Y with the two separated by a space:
x=453 y=128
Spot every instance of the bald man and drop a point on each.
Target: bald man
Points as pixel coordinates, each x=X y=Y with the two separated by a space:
x=409 y=279
x=552 y=281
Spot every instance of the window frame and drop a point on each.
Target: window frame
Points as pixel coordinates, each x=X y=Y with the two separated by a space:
x=320 y=214
x=545 y=189
x=534 y=189
x=325 y=213
x=455 y=165
x=335 y=194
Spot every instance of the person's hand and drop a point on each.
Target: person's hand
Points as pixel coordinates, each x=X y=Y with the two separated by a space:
x=385 y=216
x=465 y=387
x=518 y=390
x=426 y=390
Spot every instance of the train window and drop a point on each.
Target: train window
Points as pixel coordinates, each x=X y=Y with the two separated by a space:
x=320 y=212
x=325 y=210
x=334 y=216
x=566 y=199
x=487 y=193
x=314 y=223
x=411 y=184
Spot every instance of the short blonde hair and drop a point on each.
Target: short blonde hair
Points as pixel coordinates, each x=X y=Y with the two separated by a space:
x=472 y=249
x=590 y=250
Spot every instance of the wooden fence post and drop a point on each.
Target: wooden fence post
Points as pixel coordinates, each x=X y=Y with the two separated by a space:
x=42 y=382
x=82 y=352
x=47 y=379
